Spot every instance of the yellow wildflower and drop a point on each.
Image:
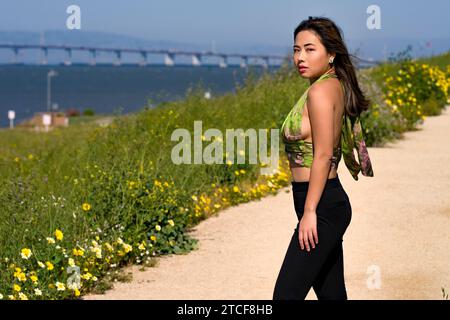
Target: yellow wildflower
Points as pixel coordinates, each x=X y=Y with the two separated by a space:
x=77 y=252
x=59 y=235
x=25 y=253
x=60 y=286
x=86 y=276
x=86 y=206
x=49 y=265
x=22 y=296
x=127 y=247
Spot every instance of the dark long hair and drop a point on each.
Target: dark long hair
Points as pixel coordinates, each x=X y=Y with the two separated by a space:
x=330 y=36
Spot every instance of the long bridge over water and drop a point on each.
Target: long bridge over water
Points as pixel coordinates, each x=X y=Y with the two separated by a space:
x=169 y=56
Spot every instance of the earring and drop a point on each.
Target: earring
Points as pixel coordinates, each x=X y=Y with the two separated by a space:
x=331 y=60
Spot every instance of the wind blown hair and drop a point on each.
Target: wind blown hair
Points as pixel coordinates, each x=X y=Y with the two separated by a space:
x=330 y=36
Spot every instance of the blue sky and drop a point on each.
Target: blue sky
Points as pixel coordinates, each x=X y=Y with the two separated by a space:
x=233 y=21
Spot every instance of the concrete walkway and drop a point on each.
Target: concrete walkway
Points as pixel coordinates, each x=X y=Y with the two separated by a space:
x=399 y=234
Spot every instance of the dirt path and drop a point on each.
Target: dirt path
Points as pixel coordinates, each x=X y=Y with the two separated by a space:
x=400 y=226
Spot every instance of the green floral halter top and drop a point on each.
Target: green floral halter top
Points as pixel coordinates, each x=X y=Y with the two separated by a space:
x=300 y=152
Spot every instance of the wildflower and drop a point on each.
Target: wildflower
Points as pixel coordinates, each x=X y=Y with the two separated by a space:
x=171 y=222
x=49 y=265
x=40 y=264
x=34 y=278
x=236 y=189
x=86 y=206
x=17 y=288
x=50 y=240
x=119 y=241
x=86 y=276
x=127 y=248
x=22 y=296
x=60 y=286
x=109 y=246
x=194 y=198
x=59 y=235
x=20 y=275
x=71 y=262
x=77 y=292
x=158 y=227
x=97 y=251
x=153 y=238
x=25 y=253
x=37 y=292
x=142 y=246
x=77 y=252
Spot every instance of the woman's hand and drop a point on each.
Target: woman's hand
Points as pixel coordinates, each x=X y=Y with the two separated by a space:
x=307 y=233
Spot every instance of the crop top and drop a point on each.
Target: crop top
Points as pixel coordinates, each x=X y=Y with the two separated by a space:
x=300 y=152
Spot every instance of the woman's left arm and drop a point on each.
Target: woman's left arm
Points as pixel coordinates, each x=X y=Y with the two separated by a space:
x=320 y=110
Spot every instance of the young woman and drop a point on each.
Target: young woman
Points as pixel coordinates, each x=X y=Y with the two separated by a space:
x=322 y=125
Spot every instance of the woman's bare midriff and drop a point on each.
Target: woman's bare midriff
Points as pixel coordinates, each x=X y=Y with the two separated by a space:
x=301 y=174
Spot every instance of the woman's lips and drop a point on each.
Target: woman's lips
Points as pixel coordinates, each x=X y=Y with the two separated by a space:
x=302 y=69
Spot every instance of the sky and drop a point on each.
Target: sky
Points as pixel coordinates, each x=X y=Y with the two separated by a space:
x=268 y=22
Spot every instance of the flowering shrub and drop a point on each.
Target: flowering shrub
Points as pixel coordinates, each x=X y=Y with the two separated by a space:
x=416 y=91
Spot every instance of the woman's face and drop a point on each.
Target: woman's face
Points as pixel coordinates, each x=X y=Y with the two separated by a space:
x=310 y=53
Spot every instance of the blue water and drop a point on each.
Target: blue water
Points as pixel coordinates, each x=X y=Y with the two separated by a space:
x=107 y=89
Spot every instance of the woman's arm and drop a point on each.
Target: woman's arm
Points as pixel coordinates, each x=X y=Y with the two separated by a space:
x=320 y=110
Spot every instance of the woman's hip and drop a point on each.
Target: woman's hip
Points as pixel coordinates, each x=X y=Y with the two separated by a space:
x=334 y=202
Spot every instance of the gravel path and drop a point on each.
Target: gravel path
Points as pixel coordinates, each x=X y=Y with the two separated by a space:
x=399 y=230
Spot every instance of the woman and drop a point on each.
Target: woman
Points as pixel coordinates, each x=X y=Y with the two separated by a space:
x=326 y=117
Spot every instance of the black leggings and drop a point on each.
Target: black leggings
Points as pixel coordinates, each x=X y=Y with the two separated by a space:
x=321 y=267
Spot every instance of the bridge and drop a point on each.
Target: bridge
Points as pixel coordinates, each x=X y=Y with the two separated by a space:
x=168 y=55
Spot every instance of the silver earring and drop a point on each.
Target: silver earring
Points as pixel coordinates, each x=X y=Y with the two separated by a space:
x=331 y=60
